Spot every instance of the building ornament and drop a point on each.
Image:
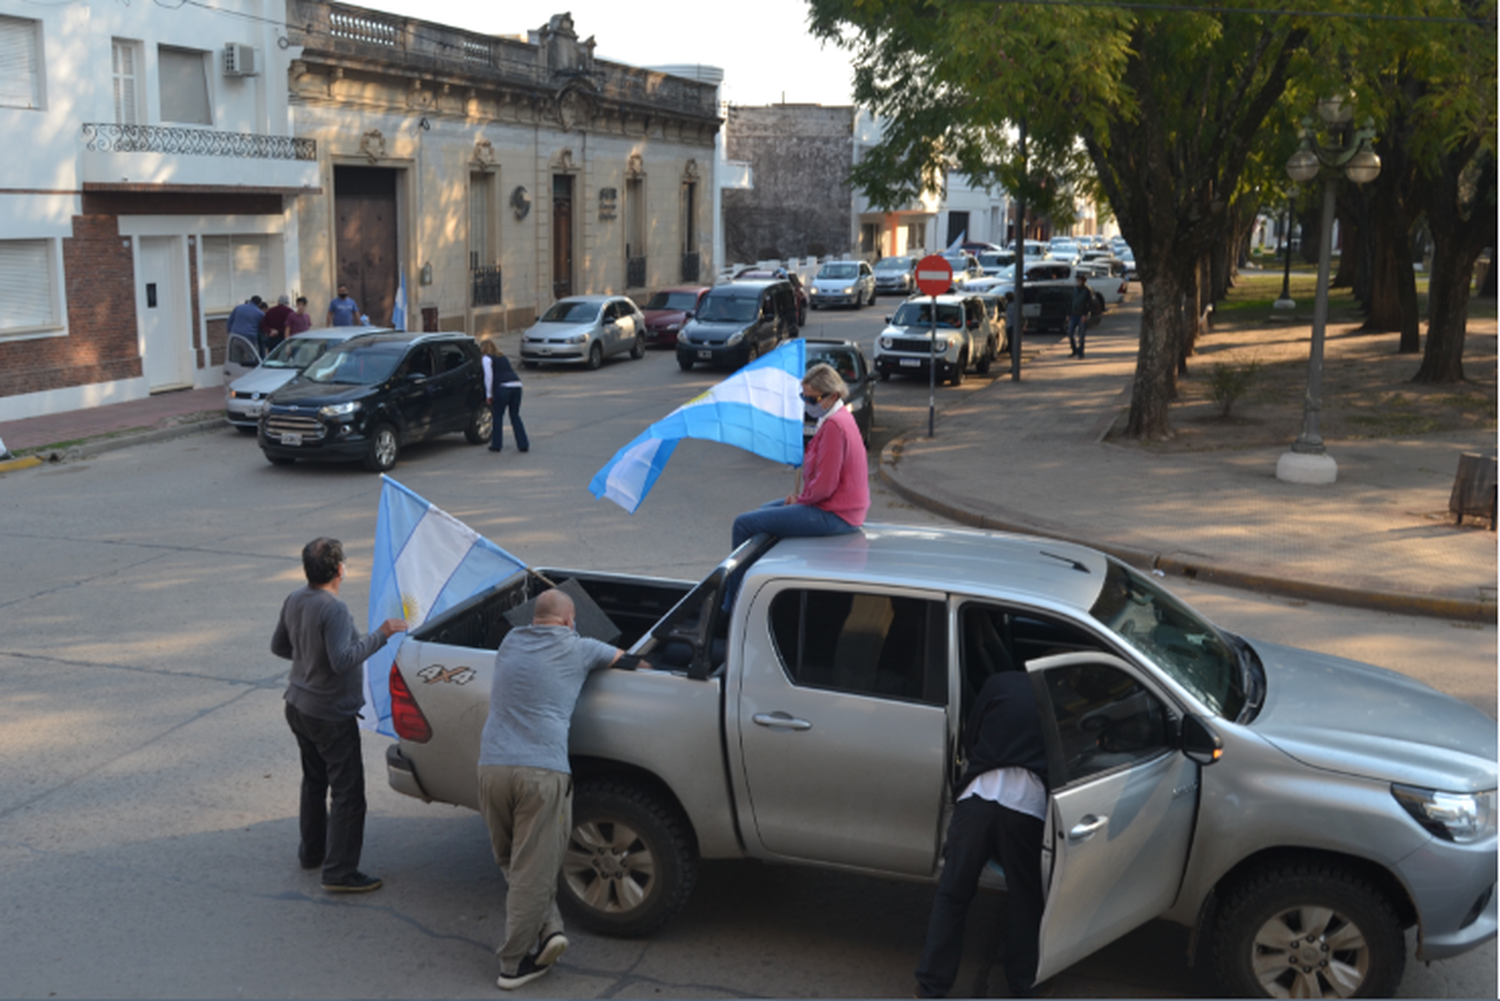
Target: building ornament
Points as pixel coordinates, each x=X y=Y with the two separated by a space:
x=520 y=201
x=372 y=145
x=634 y=167
x=484 y=154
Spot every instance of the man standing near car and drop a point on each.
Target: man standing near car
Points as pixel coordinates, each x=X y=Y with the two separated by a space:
x=323 y=698
x=244 y=320
x=525 y=782
x=1080 y=305
x=273 y=325
x=999 y=814
x=342 y=310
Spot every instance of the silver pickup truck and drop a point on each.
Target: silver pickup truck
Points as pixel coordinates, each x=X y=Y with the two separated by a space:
x=1296 y=810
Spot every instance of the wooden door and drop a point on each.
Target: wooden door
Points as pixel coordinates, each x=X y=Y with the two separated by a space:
x=365 y=217
x=562 y=236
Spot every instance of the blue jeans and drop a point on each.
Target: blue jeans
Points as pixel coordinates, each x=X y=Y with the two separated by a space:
x=507 y=399
x=1077 y=326
x=777 y=517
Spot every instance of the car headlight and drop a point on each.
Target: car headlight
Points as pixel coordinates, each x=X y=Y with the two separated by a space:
x=1462 y=818
x=735 y=338
x=339 y=409
x=848 y=291
x=941 y=344
x=885 y=343
x=671 y=328
x=578 y=338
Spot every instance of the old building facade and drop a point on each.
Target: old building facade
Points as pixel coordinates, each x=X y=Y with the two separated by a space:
x=489 y=176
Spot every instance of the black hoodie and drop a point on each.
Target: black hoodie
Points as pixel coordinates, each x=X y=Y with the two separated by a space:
x=1005 y=729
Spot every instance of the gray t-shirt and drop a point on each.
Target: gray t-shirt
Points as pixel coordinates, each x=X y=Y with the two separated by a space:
x=539 y=671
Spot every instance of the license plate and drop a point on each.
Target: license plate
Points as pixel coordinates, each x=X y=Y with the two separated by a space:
x=291 y=438
x=911 y=362
x=706 y=355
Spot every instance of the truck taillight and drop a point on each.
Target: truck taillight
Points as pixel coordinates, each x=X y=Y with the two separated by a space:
x=406 y=716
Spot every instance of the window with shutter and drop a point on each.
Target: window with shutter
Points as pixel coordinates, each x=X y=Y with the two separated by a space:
x=183 y=83
x=127 y=82
x=20 y=63
x=26 y=285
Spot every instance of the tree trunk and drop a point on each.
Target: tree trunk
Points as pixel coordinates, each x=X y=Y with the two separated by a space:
x=1156 y=363
x=1447 y=314
x=1393 y=300
x=1461 y=212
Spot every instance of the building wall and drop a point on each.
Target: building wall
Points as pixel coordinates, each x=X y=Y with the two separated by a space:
x=511 y=121
x=800 y=206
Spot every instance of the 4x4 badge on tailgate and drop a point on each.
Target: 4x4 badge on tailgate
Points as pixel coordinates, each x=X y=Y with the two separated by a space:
x=437 y=672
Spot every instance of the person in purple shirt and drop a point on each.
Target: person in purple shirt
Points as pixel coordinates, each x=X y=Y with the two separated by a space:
x=343 y=311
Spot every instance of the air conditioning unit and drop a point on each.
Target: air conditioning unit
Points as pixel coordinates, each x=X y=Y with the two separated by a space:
x=239 y=60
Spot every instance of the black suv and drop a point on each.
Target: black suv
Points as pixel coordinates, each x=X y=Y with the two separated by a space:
x=369 y=397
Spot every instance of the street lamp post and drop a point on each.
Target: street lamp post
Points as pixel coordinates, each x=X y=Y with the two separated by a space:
x=1308 y=461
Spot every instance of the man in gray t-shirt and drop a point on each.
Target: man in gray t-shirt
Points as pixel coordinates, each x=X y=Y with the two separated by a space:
x=525 y=784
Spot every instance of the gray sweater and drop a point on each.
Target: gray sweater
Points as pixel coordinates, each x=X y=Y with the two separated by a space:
x=316 y=633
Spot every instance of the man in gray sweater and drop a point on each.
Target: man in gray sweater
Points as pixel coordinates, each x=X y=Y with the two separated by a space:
x=323 y=697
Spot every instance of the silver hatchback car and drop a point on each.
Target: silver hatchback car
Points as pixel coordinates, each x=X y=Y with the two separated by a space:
x=585 y=329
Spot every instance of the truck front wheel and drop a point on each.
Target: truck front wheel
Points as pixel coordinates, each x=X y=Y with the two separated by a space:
x=1311 y=930
x=629 y=865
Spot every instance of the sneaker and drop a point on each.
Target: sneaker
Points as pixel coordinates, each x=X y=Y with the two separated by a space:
x=355 y=882
x=525 y=974
x=553 y=946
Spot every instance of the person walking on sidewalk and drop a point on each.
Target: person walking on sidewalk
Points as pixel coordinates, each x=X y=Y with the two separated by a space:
x=323 y=698
x=525 y=782
x=1080 y=305
x=998 y=814
x=502 y=391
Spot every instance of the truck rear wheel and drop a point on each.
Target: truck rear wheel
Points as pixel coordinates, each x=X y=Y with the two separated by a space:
x=1307 y=930
x=630 y=863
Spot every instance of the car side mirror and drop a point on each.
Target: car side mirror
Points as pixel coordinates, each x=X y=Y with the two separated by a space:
x=1198 y=742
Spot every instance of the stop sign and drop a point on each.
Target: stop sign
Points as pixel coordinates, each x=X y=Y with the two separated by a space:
x=934 y=275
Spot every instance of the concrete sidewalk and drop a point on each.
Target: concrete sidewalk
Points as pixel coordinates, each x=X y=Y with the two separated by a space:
x=1030 y=457
x=166 y=415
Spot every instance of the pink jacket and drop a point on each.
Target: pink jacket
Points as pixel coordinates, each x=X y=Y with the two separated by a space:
x=835 y=471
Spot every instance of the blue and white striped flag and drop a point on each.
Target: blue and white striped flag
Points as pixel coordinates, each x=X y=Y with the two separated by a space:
x=426 y=561
x=759 y=409
x=398 y=311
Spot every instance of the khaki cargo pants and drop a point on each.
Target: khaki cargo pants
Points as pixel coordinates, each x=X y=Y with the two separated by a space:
x=529 y=812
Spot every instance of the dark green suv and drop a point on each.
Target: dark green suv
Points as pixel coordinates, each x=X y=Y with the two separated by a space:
x=371 y=396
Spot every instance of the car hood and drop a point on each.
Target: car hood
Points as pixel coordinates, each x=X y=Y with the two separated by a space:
x=263 y=380
x=558 y=331
x=305 y=393
x=1344 y=716
x=664 y=317
x=835 y=283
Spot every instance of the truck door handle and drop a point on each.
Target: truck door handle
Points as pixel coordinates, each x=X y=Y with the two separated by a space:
x=1086 y=828
x=780 y=721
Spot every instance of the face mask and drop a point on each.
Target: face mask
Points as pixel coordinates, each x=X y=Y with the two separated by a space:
x=813 y=410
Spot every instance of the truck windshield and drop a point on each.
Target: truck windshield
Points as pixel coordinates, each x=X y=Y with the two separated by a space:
x=1173 y=637
x=919 y=314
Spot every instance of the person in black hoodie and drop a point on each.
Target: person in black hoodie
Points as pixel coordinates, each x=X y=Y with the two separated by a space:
x=999 y=813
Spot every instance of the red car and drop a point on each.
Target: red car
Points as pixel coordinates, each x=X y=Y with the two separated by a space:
x=668 y=310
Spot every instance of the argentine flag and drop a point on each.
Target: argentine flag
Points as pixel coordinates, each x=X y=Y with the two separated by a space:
x=426 y=561
x=759 y=409
x=398 y=312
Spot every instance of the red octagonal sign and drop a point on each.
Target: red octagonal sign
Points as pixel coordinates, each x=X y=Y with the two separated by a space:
x=934 y=275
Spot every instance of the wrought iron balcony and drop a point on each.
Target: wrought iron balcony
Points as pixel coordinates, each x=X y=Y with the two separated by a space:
x=107 y=137
x=635 y=272
x=486 y=285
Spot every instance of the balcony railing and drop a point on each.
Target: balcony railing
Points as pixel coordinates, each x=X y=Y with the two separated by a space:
x=486 y=285
x=105 y=137
x=690 y=267
x=635 y=272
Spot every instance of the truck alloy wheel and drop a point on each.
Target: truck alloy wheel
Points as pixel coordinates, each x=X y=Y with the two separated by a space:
x=1307 y=930
x=629 y=865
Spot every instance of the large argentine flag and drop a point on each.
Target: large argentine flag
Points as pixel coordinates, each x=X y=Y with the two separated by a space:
x=398 y=312
x=426 y=561
x=759 y=408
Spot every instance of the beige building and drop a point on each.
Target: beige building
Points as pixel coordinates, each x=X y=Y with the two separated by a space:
x=492 y=175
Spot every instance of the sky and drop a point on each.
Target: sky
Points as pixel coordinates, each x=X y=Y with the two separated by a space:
x=763 y=48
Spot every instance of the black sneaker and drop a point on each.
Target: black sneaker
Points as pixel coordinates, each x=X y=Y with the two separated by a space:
x=553 y=946
x=355 y=882
x=525 y=974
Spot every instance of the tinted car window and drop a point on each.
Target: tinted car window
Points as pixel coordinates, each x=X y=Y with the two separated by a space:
x=730 y=307
x=1105 y=719
x=867 y=644
x=451 y=357
x=357 y=366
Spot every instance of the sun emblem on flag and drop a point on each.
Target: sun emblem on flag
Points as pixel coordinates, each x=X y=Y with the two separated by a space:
x=410 y=607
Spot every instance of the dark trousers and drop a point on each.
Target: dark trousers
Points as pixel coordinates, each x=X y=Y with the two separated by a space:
x=1078 y=327
x=332 y=763
x=982 y=830
x=507 y=399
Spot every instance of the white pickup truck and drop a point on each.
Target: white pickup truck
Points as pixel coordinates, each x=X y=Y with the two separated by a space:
x=1297 y=811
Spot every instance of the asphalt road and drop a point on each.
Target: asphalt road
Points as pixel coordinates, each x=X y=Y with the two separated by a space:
x=148 y=816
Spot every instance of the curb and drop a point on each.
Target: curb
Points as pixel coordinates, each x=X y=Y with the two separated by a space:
x=1381 y=601
x=10 y=465
x=110 y=442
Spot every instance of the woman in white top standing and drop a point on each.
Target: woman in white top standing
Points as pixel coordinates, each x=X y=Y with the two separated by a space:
x=502 y=391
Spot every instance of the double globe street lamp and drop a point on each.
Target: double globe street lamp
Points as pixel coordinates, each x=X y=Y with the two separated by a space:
x=1346 y=153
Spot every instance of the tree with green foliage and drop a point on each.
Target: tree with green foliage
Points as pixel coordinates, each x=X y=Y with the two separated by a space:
x=1167 y=105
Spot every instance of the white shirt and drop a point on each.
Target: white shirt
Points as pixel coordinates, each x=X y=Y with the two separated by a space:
x=1014 y=788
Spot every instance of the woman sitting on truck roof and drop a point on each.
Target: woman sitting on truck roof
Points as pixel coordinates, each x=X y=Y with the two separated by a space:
x=835 y=475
